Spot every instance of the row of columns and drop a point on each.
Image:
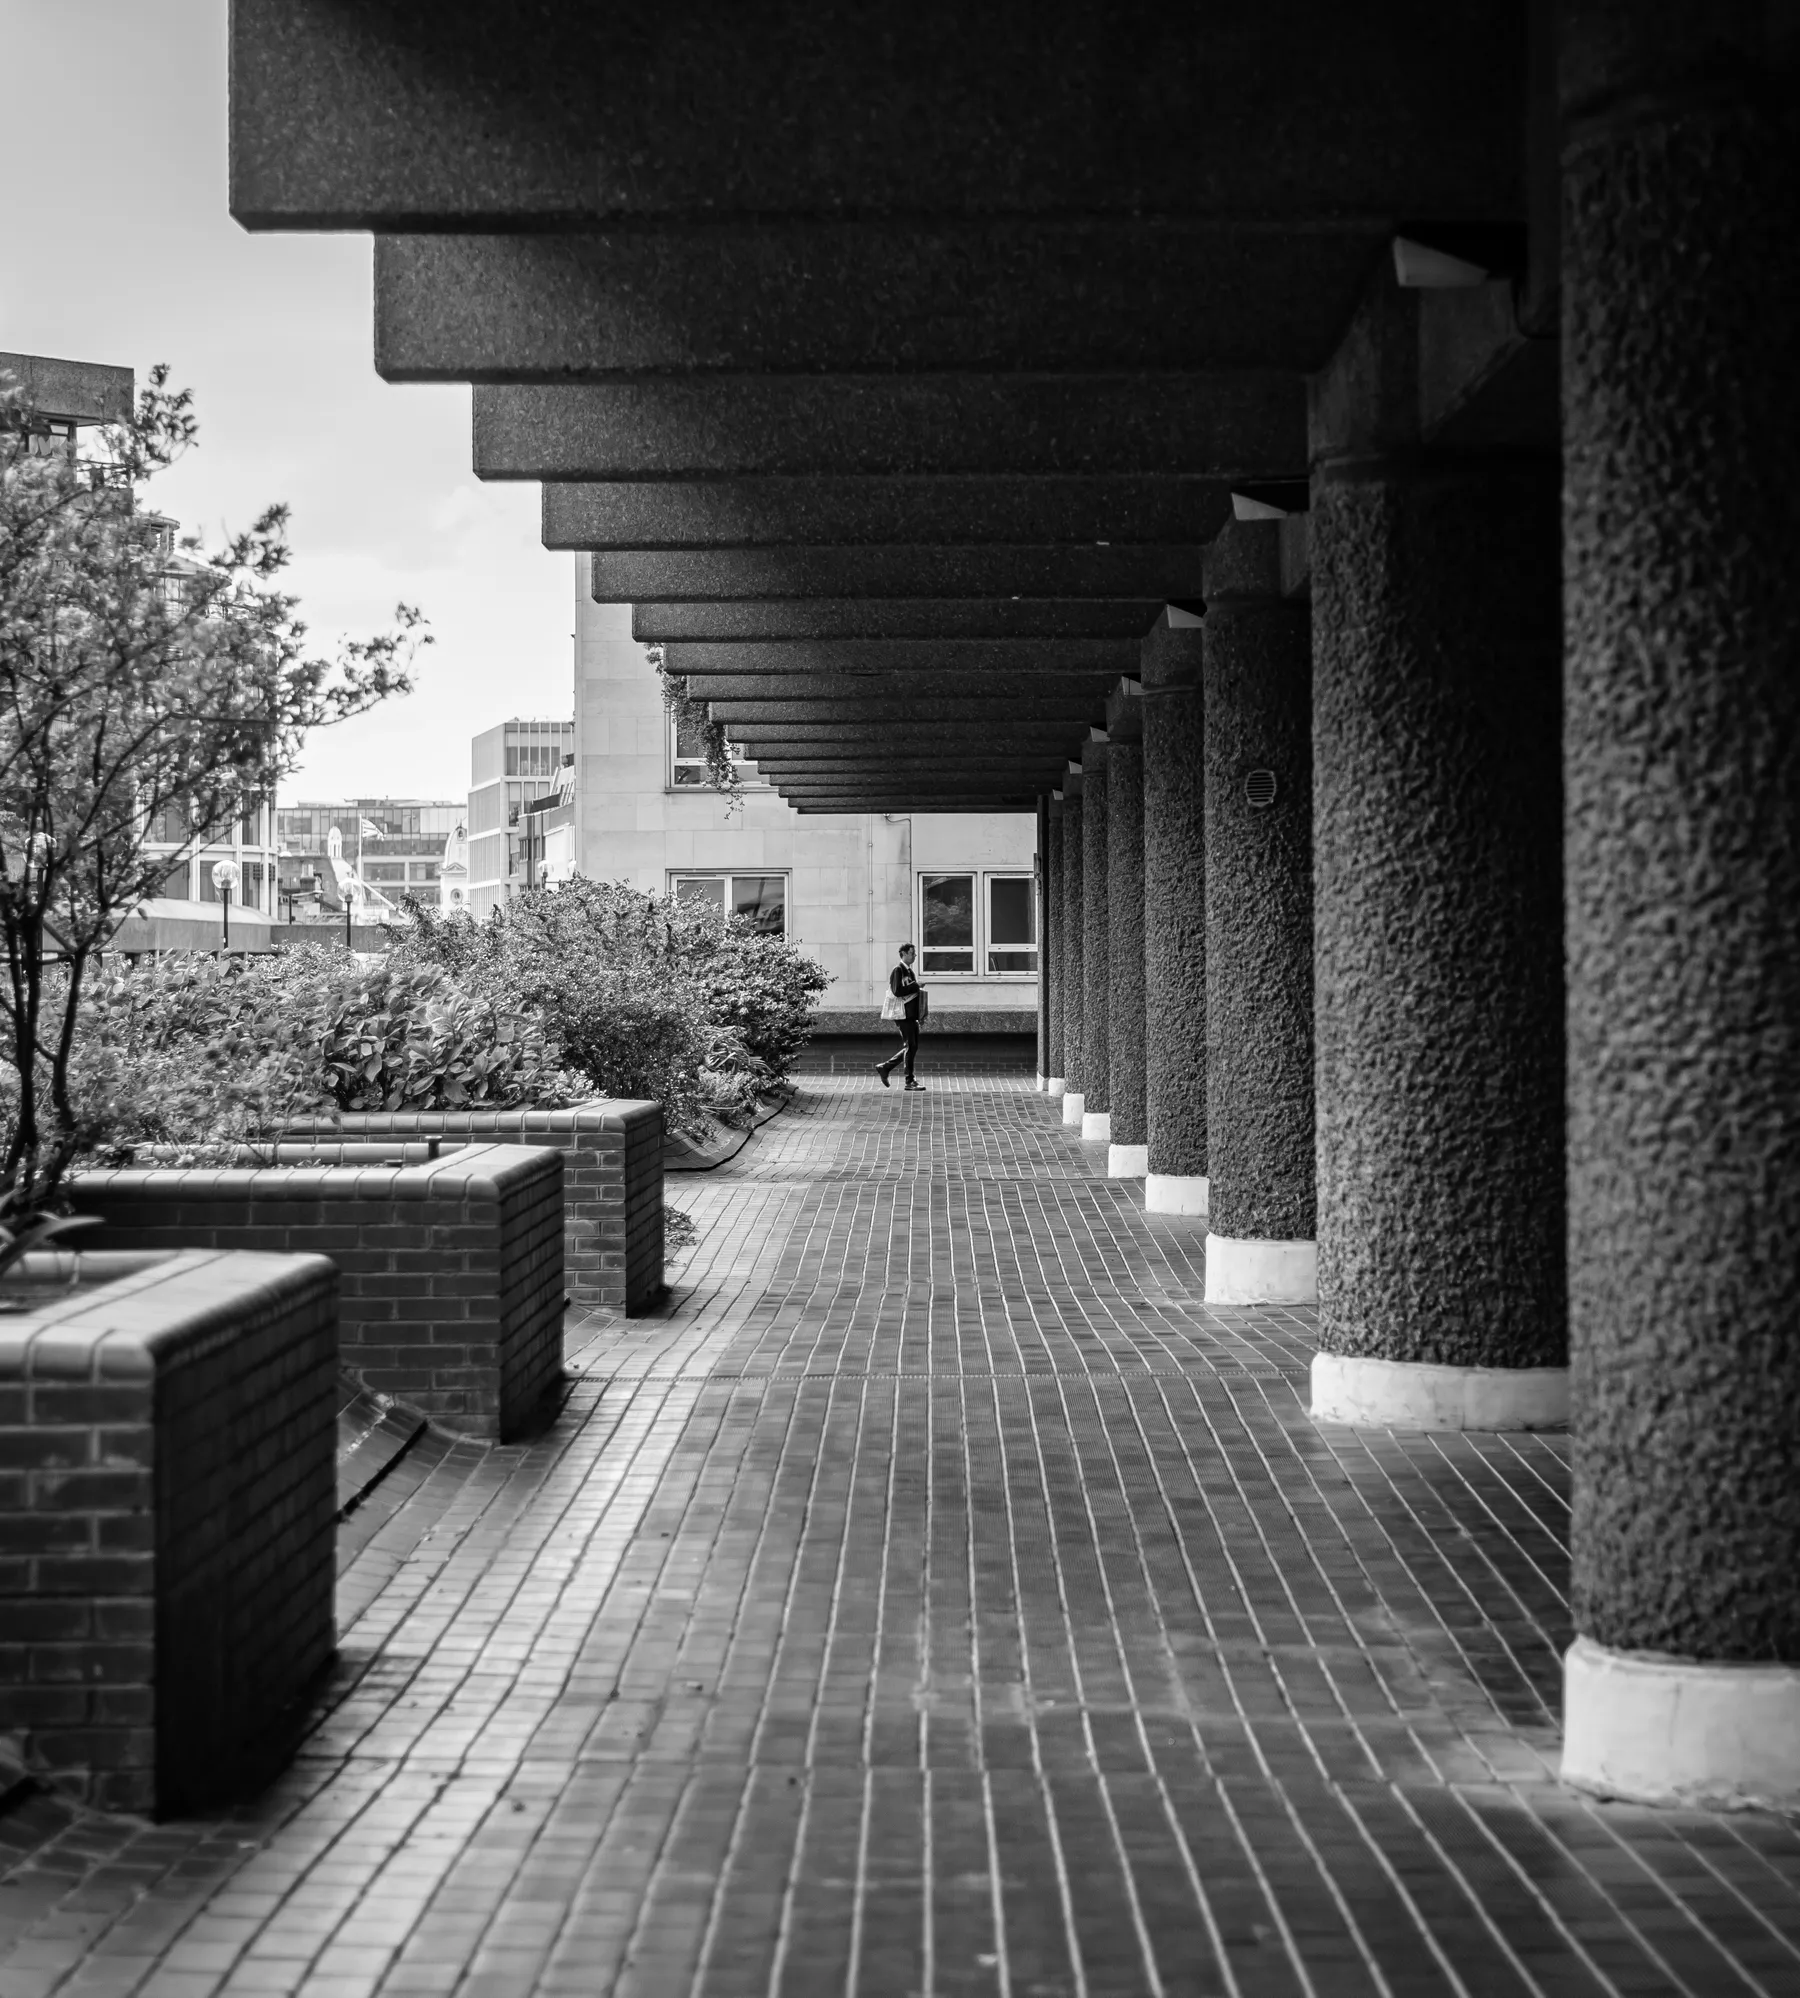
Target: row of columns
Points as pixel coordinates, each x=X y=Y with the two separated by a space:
x=1465 y=897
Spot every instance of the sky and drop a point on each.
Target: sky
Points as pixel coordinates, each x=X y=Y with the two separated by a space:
x=118 y=247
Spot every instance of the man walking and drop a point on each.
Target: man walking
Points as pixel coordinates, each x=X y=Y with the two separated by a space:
x=904 y=1005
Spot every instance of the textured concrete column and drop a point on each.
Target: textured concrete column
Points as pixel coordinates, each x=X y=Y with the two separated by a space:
x=1681 y=518
x=1040 y=875
x=1096 y=941
x=1437 y=665
x=1073 y=954
x=1259 y=1001
x=1128 y=1150
x=1175 y=941
x=1050 y=941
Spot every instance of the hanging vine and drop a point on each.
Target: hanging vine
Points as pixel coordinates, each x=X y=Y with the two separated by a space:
x=696 y=718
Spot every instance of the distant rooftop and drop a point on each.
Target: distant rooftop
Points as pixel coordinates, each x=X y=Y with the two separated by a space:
x=72 y=391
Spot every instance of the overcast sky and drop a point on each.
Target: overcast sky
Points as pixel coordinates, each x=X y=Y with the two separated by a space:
x=118 y=248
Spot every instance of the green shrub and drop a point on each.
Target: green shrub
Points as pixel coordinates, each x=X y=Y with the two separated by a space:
x=644 y=996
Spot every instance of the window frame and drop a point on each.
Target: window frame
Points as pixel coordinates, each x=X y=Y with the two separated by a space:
x=676 y=875
x=742 y=764
x=982 y=878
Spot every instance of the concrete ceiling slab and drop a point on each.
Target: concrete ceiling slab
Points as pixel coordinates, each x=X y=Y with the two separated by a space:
x=394 y=113
x=814 y=619
x=994 y=572
x=923 y=512
x=1009 y=296
x=1244 y=426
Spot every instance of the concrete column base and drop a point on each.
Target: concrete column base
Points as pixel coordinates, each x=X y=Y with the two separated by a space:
x=1096 y=1127
x=1127 y=1161
x=1056 y=1085
x=1175 y=1192
x=1040 y=1083
x=1252 y=1271
x=1408 y=1394
x=1678 y=1731
x=1072 y=1100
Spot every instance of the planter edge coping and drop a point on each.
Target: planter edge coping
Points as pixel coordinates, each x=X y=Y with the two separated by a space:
x=181 y=1303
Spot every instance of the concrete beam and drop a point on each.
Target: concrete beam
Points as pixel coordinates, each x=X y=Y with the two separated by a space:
x=460 y=114
x=907 y=805
x=902 y=617
x=1171 y=574
x=979 y=658
x=994 y=690
x=762 y=513
x=1231 y=427
x=969 y=712
x=1080 y=296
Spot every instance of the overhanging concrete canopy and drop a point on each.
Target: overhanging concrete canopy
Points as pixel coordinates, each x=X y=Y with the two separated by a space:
x=862 y=618
x=810 y=297
x=918 y=512
x=992 y=573
x=1021 y=661
x=395 y=114
x=1226 y=426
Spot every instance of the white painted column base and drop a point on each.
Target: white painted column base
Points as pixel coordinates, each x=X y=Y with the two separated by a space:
x=1127 y=1161
x=1042 y=1083
x=1247 y=1270
x=1096 y=1126
x=1055 y=1086
x=1175 y=1192
x=1072 y=1107
x=1410 y=1394
x=1679 y=1731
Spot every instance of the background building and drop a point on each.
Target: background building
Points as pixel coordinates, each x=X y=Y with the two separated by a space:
x=374 y=851
x=510 y=766
x=849 y=889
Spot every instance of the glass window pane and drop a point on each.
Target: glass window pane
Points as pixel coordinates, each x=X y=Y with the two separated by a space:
x=702 y=891
x=688 y=740
x=947 y=922
x=1012 y=923
x=763 y=899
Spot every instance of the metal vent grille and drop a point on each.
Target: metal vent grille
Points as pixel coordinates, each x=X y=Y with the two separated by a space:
x=1259 y=788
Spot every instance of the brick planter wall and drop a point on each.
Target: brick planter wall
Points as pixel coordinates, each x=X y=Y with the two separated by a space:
x=612 y=1183
x=452 y=1295
x=167 y=1445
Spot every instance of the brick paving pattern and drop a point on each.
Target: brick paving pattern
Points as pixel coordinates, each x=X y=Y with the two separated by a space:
x=934 y=1597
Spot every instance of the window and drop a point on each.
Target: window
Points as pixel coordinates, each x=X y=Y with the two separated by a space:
x=1012 y=923
x=535 y=759
x=947 y=922
x=759 y=898
x=384 y=870
x=950 y=906
x=687 y=761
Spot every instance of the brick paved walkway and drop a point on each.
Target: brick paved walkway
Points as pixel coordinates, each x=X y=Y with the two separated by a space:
x=937 y=1597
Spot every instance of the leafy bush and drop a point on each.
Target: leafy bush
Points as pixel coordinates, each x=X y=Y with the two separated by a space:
x=643 y=995
x=208 y=1054
x=404 y=1037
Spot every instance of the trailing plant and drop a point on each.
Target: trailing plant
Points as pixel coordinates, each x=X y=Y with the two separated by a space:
x=696 y=717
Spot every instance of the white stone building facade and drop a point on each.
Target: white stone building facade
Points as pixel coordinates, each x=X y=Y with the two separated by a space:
x=849 y=889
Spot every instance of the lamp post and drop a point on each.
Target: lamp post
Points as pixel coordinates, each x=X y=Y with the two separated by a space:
x=225 y=876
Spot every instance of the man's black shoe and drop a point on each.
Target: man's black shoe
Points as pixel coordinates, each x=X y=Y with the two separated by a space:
x=915 y=1085
x=881 y=1070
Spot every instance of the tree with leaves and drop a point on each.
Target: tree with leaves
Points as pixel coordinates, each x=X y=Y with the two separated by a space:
x=135 y=696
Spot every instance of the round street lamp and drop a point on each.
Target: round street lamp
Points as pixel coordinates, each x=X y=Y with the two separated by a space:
x=226 y=874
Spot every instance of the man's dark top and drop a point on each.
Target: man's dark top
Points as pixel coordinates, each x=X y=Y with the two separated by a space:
x=903 y=985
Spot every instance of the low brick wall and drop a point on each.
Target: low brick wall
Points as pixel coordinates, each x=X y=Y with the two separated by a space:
x=167 y=1454
x=612 y=1183
x=452 y=1296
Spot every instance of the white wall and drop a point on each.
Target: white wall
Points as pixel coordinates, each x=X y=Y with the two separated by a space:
x=851 y=901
